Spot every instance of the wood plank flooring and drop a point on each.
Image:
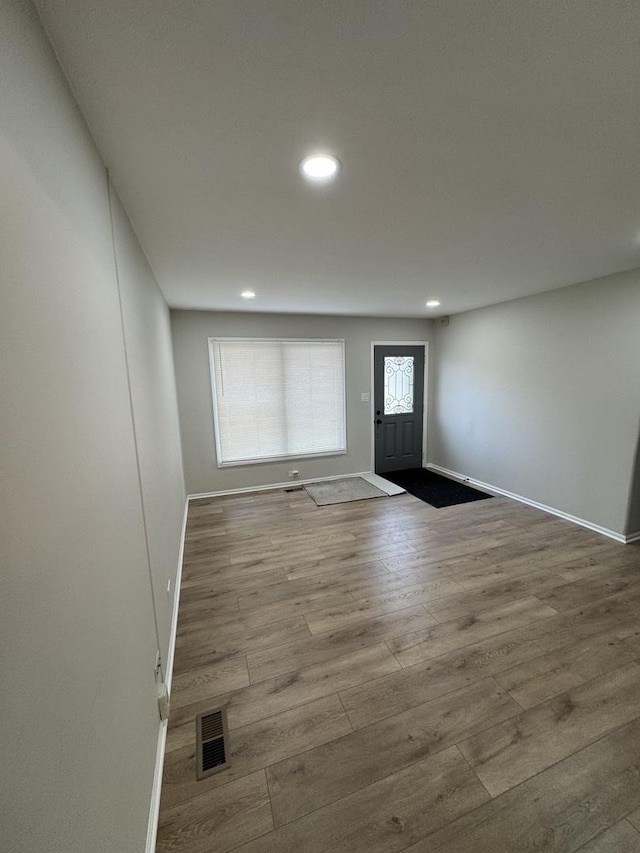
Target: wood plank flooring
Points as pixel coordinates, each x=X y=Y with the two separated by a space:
x=404 y=678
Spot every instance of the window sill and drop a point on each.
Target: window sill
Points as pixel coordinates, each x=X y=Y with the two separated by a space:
x=272 y=459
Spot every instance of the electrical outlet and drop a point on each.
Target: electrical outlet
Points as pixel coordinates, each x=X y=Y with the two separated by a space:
x=293 y=475
x=163 y=701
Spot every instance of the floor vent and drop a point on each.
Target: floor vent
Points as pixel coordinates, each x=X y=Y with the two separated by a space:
x=212 y=738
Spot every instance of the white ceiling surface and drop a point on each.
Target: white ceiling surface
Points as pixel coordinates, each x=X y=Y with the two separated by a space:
x=490 y=149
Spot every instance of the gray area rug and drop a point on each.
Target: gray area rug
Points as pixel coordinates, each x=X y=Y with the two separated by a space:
x=343 y=491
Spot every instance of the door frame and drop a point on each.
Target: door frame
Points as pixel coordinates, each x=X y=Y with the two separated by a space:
x=425 y=401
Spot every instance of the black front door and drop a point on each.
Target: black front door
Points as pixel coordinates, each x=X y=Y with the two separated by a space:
x=398 y=373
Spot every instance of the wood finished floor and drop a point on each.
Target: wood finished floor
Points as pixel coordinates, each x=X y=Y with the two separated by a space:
x=403 y=678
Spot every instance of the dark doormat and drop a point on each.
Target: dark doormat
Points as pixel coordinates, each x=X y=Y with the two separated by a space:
x=434 y=489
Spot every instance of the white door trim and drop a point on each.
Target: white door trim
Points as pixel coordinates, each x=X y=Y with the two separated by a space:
x=425 y=401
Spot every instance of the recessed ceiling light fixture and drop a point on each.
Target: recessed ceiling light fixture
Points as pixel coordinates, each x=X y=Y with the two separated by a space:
x=433 y=303
x=320 y=168
x=248 y=294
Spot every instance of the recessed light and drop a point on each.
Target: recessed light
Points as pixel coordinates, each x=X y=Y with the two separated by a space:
x=433 y=303
x=320 y=168
x=248 y=294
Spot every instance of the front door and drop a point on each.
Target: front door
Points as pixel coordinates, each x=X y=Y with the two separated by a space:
x=398 y=394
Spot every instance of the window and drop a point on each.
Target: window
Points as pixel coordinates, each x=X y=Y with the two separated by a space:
x=398 y=385
x=275 y=399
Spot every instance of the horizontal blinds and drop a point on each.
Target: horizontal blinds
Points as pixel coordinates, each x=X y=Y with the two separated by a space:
x=278 y=398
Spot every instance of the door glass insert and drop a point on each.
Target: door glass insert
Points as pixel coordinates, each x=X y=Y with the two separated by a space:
x=398 y=384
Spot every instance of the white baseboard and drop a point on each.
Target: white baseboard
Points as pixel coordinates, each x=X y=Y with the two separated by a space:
x=632 y=537
x=487 y=487
x=171 y=650
x=154 y=808
x=271 y=486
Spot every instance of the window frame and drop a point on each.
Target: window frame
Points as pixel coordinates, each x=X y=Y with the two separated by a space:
x=211 y=341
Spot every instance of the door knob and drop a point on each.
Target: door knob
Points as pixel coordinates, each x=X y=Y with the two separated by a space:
x=378 y=421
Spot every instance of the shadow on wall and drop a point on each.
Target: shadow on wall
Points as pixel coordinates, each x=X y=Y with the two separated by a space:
x=633 y=516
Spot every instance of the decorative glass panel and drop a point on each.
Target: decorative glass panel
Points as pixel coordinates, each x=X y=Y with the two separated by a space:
x=398 y=384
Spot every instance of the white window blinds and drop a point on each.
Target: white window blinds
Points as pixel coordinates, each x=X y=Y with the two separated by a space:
x=275 y=398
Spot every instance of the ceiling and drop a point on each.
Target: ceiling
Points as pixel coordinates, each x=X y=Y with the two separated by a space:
x=488 y=148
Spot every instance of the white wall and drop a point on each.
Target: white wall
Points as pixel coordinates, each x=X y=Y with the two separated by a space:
x=191 y=329
x=147 y=330
x=541 y=397
x=633 y=517
x=78 y=640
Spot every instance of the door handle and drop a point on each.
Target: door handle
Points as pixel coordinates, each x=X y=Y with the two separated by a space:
x=378 y=421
